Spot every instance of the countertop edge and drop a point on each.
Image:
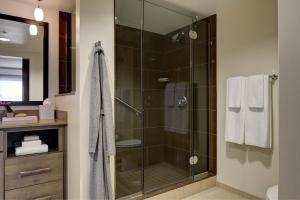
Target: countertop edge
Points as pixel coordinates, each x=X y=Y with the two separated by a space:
x=41 y=123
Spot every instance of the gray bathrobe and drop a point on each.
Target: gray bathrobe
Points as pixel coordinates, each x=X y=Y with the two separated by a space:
x=102 y=142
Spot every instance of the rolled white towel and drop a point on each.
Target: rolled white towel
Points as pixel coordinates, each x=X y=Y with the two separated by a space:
x=31 y=143
x=31 y=137
x=20 y=151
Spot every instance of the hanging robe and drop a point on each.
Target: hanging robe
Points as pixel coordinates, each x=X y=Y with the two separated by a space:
x=101 y=140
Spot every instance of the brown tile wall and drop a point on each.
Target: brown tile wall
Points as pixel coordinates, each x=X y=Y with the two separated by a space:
x=128 y=124
x=128 y=88
x=200 y=97
x=212 y=85
x=153 y=69
x=177 y=62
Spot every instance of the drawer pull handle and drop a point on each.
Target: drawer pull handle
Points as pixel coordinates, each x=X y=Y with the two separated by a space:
x=44 y=198
x=35 y=172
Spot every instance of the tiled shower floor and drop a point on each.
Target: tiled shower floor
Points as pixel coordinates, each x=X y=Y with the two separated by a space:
x=156 y=176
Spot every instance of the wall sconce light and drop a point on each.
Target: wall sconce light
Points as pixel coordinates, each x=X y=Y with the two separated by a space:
x=33 y=30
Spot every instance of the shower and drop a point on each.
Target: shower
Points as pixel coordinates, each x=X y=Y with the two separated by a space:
x=178 y=37
x=165 y=107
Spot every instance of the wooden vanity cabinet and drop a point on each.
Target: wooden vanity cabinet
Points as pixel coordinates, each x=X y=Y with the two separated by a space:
x=36 y=176
x=1 y=175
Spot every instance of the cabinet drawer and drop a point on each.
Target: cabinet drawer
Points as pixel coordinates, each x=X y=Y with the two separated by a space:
x=1 y=140
x=44 y=191
x=31 y=170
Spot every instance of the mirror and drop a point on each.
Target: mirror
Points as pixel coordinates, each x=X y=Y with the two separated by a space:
x=23 y=60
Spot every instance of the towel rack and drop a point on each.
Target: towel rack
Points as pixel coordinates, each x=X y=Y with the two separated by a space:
x=138 y=112
x=274 y=77
x=98 y=43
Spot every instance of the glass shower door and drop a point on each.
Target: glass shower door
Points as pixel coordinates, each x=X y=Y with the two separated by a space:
x=200 y=99
x=164 y=107
x=166 y=69
x=204 y=97
x=128 y=101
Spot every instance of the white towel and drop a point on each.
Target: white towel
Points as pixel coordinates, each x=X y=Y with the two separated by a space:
x=20 y=151
x=170 y=94
x=169 y=113
x=258 y=123
x=31 y=137
x=255 y=91
x=31 y=143
x=234 y=92
x=235 y=117
x=176 y=117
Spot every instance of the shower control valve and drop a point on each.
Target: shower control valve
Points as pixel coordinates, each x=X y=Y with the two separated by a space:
x=182 y=101
x=193 y=160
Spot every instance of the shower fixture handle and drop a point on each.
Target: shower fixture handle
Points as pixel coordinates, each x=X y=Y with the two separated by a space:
x=193 y=34
x=182 y=101
x=193 y=160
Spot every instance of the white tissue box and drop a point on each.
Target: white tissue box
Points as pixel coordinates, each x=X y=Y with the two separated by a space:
x=46 y=112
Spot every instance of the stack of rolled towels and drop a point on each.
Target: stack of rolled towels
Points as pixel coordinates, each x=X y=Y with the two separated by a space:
x=31 y=145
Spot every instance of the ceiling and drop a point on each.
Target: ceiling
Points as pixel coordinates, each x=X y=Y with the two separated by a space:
x=62 y=5
x=162 y=16
x=200 y=8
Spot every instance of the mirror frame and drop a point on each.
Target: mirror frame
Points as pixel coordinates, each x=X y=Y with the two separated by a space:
x=45 y=56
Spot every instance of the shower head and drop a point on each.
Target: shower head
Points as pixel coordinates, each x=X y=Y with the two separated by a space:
x=178 y=37
x=174 y=37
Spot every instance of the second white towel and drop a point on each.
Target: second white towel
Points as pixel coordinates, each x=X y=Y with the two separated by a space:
x=257 y=119
x=255 y=91
x=31 y=143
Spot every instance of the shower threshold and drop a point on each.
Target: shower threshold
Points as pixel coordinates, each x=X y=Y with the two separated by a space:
x=151 y=190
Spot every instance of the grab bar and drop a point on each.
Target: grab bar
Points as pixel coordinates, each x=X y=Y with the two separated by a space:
x=138 y=112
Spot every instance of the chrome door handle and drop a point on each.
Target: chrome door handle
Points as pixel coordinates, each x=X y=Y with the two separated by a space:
x=44 y=198
x=35 y=172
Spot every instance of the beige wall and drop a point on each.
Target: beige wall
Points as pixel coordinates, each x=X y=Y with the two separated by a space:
x=247 y=45
x=289 y=48
x=96 y=23
x=70 y=103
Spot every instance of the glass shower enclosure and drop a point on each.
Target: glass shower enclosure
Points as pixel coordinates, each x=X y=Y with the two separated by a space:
x=162 y=110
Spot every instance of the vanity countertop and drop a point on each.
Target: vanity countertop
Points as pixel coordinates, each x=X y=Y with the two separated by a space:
x=40 y=123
